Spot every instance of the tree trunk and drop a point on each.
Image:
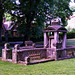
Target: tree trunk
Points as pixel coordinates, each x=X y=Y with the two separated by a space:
x=1 y=20
x=6 y=36
x=0 y=34
x=27 y=36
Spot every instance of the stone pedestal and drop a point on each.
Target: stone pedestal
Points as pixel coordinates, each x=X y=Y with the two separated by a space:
x=51 y=53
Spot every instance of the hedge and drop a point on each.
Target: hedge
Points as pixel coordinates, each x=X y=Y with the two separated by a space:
x=34 y=39
x=70 y=35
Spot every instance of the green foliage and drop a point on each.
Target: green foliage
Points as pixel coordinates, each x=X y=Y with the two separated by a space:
x=71 y=34
x=7 y=16
x=72 y=8
x=0 y=52
x=34 y=13
x=71 y=42
x=5 y=6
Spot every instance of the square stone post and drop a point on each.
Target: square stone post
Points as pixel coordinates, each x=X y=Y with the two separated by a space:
x=55 y=41
x=14 y=56
x=56 y=37
x=4 y=54
x=64 y=44
x=14 y=53
x=4 y=51
x=49 y=43
x=45 y=39
x=64 y=40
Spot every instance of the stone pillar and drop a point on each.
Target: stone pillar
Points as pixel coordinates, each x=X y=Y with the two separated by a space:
x=14 y=53
x=4 y=54
x=49 y=43
x=64 y=44
x=56 y=38
x=45 y=39
x=4 y=51
x=64 y=40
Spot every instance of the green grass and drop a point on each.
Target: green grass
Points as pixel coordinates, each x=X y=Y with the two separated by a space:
x=63 y=67
x=71 y=42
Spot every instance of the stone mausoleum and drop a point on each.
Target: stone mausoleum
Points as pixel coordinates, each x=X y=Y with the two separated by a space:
x=55 y=39
x=54 y=48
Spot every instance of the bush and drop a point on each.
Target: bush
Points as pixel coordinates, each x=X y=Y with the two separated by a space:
x=13 y=39
x=71 y=34
x=34 y=39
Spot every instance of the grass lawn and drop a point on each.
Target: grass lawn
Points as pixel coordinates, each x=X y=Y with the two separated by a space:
x=71 y=42
x=62 y=67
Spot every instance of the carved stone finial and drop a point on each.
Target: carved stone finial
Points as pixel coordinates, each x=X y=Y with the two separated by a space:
x=6 y=45
x=46 y=46
x=33 y=45
x=55 y=21
x=17 y=46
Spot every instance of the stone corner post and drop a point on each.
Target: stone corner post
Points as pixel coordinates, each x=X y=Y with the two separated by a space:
x=4 y=51
x=14 y=53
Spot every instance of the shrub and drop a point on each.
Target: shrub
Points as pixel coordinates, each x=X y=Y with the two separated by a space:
x=71 y=34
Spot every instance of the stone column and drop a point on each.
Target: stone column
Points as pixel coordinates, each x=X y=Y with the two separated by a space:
x=56 y=38
x=64 y=40
x=64 y=44
x=49 y=43
x=14 y=53
x=45 y=39
x=55 y=41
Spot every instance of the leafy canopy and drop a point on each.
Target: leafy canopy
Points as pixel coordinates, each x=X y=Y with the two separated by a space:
x=34 y=13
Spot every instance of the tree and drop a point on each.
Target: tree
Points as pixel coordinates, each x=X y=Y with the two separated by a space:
x=7 y=16
x=32 y=13
x=5 y=6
